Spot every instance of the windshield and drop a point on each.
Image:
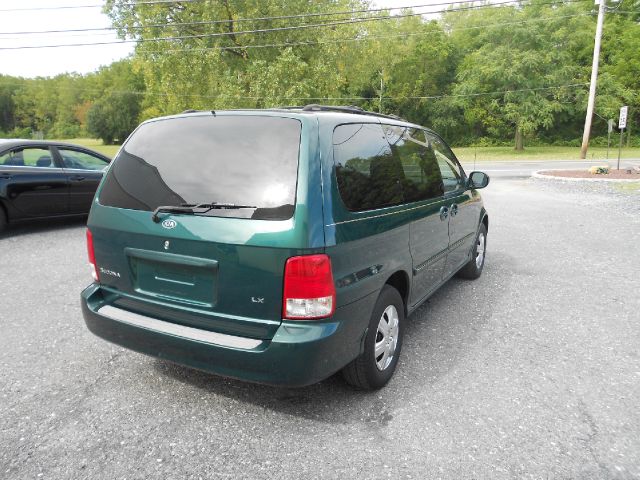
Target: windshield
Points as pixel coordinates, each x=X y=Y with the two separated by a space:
x=243 y=160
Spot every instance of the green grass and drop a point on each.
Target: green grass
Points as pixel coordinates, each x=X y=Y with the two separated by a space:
x=466 y=154
x=95 y=144
x=630 y=187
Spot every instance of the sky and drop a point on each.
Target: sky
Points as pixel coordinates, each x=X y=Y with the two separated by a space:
x=52 y=61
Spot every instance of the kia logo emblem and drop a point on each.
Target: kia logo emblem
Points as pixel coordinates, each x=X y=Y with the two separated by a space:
x=169 y=224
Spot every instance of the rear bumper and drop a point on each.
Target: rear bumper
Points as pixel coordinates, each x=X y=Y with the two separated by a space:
x=299 y=354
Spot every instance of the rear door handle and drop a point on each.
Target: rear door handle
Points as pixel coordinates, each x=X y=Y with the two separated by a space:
x=444 y=213
x=454 y=210
x=77 y=178
x=5 y=176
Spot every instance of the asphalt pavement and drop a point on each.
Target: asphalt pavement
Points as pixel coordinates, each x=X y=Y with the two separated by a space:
x=532 y=371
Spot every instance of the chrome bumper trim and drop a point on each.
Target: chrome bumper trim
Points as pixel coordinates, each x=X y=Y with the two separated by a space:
x=174 y=329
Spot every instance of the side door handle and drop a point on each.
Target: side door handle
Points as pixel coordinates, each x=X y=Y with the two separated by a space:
x=77 y=178
x=444 y=213
x=454 y=210
x=5 y=176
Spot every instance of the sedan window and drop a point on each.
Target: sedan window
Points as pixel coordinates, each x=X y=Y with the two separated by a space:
x=28 y=157
x=81 y=160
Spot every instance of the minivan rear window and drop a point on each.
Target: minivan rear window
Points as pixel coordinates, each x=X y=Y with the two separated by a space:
x=239 y=160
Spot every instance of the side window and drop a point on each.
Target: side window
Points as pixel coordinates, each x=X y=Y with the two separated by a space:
x=422 y=178
x=369 y=175
x=81 y=160
x=5 y=158
x=449 y=168
x=29 y=157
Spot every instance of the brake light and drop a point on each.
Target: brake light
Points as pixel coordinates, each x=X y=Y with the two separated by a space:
x=92 y=256
x=309 y=292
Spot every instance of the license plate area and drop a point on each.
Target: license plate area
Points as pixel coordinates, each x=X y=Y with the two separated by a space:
x=178 y=278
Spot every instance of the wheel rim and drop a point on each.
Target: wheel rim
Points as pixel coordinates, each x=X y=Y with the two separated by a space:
x=480 y=250
x=387 y=337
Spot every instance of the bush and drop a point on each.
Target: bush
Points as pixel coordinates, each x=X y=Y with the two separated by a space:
x=18 y=132
x=599 y=170
x=113 y=117
x=64 y=130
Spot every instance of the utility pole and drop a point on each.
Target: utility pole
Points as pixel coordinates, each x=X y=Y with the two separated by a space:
x=594 y=79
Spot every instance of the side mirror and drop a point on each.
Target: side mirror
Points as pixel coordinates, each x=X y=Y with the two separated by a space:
x=478 y=180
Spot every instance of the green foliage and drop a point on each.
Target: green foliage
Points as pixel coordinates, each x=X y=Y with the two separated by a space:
x=113 y=117
x=478 y=76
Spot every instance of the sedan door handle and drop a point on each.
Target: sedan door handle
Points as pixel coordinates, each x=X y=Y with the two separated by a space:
x=444 y=213
x=77 y=178
x=454 y=210
x=5 y=176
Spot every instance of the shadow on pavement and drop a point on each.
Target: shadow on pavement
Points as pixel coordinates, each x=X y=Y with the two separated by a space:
x=322 y=401
x=423 y=363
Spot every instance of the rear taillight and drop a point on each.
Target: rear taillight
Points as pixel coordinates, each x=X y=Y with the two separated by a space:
x=309 y=292
x=92 y=256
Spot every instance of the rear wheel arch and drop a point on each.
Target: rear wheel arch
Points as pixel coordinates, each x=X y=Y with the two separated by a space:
x=382 y=343
x=400 y=281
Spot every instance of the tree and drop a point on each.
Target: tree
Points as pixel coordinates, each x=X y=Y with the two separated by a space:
x=113 y=117
x=213 y=65
x=118 y=92
x=510 y=72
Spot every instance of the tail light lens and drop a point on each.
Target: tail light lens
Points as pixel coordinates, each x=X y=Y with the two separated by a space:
x=92 y=256
x=309 y=292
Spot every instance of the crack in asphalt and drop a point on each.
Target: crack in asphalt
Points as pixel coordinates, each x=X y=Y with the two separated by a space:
x=590 y=440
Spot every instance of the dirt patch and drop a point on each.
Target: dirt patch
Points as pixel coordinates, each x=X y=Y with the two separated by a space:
x=622 y=174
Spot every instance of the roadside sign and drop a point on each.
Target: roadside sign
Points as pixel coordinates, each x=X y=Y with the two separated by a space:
x=622 y=122
x=610 y=125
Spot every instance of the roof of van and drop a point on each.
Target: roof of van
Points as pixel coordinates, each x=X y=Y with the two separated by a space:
x=315 y=108
x=340 y=113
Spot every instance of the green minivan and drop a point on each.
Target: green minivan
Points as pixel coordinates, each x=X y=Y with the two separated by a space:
x=278 y=246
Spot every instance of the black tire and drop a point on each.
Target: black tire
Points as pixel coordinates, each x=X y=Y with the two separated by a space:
x=472 y=270
x=364 y=372
x=3 y=220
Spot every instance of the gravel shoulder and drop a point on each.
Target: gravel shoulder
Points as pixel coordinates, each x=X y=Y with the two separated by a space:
x=622 y=174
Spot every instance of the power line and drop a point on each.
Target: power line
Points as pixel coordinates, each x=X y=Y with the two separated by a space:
x=423 y=97
x=63 y=35
x=361 y=39
x=71 y=7
x=240 y=20
x=502 y=91
x=267 y=30
x=398 y=97
x=280 y=17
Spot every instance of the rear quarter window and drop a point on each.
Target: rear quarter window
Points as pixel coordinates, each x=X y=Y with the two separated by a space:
x=368 y=175
x=384 y=165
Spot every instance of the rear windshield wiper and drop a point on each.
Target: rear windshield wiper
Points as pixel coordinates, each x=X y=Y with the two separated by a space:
x=171 y=209
x=221 y=206
x=190 y=208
